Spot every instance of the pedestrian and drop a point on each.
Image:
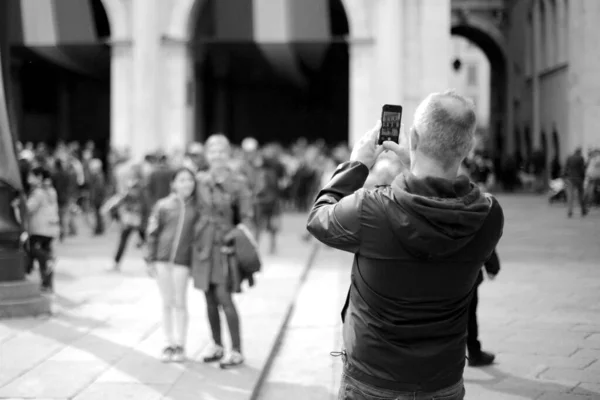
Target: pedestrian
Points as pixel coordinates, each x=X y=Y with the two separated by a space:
x=574 y=178
x=97 y=193
x=478 y=357
x=169 y=257
x=419 y=244
x=43 y=224
x=224 y=200
x=131 y=211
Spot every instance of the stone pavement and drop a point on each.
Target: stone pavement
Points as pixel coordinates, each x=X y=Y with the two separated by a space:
x=104 y=337
x=541 y=315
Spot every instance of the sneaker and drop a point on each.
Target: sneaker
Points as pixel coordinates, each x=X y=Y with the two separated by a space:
x=167 y=354
x=116 y=268
x=47 y=290
x=232 y=359
x=213 y=353
x=481 y=360
x=178 y=354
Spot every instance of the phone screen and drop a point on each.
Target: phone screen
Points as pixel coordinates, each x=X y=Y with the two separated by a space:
x=390 y=125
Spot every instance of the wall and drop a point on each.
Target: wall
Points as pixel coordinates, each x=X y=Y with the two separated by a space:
x=471 y=55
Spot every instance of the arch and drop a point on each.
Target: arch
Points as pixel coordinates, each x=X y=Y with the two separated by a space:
x=476 y=28
x=489 y=39
x=118 y=19
x=184 y=12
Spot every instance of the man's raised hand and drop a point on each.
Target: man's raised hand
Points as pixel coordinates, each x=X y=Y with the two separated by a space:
x=366 y=150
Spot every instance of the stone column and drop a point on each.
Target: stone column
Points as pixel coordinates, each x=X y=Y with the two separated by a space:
x=146 y=66
x=561 y=32
x=174 y=132
x=425 y=46
x=362 y=109
x=121 y=111
x=435 y=45
x=509 y=124
x=536 y=67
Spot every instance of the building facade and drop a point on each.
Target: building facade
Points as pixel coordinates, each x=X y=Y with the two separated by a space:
x=554 y=53
x=178 y=70
x=470 y=76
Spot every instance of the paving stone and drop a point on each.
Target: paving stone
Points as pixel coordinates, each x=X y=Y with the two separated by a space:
x=566 y=396
x=588 y=389
x=587 y=375
x=138 y=368
x=53 y=379
x=122 y=391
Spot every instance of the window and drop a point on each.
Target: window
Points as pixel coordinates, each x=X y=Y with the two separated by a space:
x=472 y=75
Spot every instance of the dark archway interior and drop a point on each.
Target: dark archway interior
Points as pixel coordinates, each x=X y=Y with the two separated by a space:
x=240 y=93
x=55 y=103
x=498 y=82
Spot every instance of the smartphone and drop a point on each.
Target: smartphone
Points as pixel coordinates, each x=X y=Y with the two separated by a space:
x=391 y=118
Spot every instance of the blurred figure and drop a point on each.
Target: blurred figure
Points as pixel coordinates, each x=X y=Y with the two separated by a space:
x=592 y=176
x=195 y=159
x=224 y=201
x=478 y=357
x=65 y=184
x=169 y=257
x=159 y=182
x=267 y=197
x=574 y=178
x=97 y=193
x=43 y=224
x=130 y=207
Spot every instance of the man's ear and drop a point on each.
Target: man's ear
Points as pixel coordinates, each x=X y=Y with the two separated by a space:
x=414 y=139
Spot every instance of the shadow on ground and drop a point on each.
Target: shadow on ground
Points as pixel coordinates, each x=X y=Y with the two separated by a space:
x=502 y=382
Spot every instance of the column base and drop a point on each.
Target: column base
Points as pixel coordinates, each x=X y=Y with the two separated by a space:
x=22 y=299
x=18 y=296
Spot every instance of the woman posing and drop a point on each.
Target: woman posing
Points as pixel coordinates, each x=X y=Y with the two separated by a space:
x=169 y=256
x=224 y=200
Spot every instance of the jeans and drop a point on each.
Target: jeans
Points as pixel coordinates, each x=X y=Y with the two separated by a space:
x=473 y=344
x=217 y=297
x=575 y=188
x=125 y=233
x=41 y=251
x=351 y=389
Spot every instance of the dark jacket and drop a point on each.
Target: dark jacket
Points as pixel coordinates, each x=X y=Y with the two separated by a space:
x=222 y=203
x=171 y=231
x=419 y=245
x=97 y=188
x=575 y=168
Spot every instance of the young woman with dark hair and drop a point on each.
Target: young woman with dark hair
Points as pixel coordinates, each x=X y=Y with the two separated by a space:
x=169 y=257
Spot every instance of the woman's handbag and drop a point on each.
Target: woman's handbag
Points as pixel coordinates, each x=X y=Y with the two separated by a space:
x=246 y=250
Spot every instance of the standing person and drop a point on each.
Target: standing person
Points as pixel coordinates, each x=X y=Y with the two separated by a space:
x=130 y=208
x=43 y=224
x=574 y=178
x=478 y=357
x=267 y=196
x=169 y=258
x=97 y=193
x=65 y=185
x=592 y=175
x=224 y=200
x=418 y=246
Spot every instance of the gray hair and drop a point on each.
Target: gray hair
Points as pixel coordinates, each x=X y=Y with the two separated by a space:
x=217 y=138
x=445 y=123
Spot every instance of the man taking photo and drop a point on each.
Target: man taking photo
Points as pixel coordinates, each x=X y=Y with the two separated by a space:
x=419 y=245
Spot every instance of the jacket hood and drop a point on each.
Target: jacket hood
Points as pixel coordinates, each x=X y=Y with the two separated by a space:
x=440 y=216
